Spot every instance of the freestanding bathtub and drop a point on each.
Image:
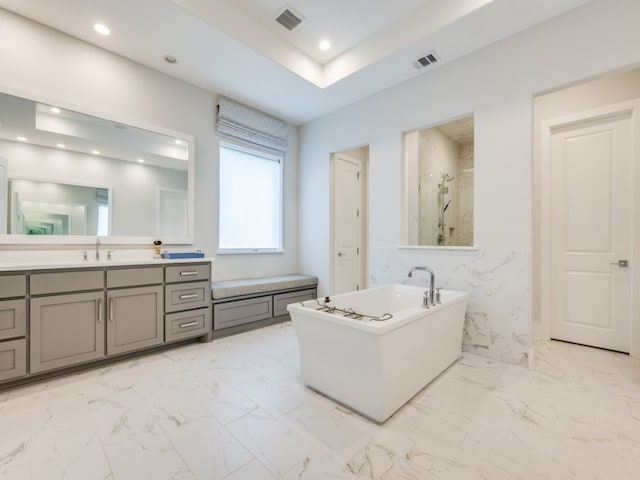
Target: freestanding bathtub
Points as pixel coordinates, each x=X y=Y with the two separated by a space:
x=375 y=367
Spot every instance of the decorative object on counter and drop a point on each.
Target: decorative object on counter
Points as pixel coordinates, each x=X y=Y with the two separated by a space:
x=156 y=248
x=174 y=255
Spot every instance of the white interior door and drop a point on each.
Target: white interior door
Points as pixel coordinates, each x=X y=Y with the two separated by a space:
x=591 y=230
x=171 y=213
x=347 y=218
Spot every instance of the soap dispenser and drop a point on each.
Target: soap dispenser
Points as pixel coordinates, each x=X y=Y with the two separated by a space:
x=156 y=248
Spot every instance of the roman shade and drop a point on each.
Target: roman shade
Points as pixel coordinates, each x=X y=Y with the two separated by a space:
x=247 y=124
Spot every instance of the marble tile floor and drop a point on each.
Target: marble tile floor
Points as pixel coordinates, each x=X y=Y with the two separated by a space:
x=236 y=409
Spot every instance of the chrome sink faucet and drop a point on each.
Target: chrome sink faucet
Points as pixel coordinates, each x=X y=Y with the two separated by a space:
x=97 y=249
x=427 y=299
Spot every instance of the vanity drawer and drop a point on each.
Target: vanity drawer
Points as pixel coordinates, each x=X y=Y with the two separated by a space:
x=187 y=273
x=181 y=325
x=65 y=282
x=230 y=314
x=281 y=300
x=186 y=296
x=13 y=286
x=13 y=359
x=13 y=319
x=130 y=277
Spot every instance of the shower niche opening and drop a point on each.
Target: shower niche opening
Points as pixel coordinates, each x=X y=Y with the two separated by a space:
x=438 y=185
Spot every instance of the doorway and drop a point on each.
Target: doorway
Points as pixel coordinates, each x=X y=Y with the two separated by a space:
x=349 y=200
x=588 y=222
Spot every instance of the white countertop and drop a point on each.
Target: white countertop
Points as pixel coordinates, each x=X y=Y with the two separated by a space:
x=62 y=261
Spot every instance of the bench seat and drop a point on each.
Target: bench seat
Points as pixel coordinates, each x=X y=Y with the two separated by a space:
x=251 y=286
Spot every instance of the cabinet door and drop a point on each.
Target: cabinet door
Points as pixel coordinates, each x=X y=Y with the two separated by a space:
x=187 y=296
x=281 y=300
x=66 y=330
x=239 y=312
x=134 y=319
x=13 y=317
x=13 y=359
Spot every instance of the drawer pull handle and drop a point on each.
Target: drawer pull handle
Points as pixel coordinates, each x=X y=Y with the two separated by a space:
x=188 y=324
x=111 y=309
x=99 y=310
x=189 y=295
x=188 y=274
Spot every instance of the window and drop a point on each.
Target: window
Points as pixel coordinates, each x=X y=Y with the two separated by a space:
x=250 y=200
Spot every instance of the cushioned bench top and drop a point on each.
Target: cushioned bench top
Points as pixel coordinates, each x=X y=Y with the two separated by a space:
x=249 y=286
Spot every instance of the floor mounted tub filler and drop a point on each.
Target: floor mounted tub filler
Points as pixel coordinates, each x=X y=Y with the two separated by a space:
x=373 y=350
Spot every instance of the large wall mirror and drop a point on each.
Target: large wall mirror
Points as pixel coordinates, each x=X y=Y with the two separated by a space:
x=66 y=176
x=438 y=185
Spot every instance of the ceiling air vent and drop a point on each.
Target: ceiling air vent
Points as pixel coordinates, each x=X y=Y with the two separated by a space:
x=289 y=18
x=426 y=61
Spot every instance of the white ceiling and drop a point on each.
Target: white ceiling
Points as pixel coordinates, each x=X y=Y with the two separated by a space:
x=236 y=48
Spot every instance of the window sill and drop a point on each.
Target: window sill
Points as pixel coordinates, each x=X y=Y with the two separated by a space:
x=249 y=251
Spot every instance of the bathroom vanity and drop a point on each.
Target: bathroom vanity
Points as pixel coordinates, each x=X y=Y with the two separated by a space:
x=60 y=317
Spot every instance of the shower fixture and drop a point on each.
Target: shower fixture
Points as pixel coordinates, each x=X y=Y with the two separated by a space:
x=443 y=204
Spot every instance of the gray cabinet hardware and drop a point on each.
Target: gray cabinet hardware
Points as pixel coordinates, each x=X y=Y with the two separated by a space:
x=188 y=324
x=188 y=295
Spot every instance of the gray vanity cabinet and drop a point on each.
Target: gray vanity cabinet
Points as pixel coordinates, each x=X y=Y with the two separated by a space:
x=134 y=314
x=13 y=353
x=66 y=330
x=66 y=318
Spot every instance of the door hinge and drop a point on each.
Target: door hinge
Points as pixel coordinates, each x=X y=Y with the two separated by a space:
x=357 y=250
x=358 y=213
x=358 y=176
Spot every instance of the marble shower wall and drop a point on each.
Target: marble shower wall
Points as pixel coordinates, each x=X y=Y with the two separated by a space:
x=465 y=184
x=497 y=319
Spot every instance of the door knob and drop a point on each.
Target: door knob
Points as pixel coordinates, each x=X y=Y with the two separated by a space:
x=621 y=263
x=340 y=254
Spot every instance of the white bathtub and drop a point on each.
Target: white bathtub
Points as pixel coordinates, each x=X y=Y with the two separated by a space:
x=375 y=367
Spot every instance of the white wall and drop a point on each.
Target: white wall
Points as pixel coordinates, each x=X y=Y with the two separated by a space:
x=44 y=63
x=497 y=85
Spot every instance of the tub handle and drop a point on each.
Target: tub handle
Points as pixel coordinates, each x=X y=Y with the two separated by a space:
x=438 y=302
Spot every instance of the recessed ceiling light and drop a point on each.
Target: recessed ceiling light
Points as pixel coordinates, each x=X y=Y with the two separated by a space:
x=21 y=138
x=170 y=59
x=324 y=45
x=102 y=29
x=54 y=110
x=61 y=145
x=95 y=152
x=141 y=160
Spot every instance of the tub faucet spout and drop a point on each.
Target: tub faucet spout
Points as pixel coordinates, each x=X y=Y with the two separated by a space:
x=427 y=299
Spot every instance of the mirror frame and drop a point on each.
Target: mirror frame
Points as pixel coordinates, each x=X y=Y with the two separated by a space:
x=19 y=239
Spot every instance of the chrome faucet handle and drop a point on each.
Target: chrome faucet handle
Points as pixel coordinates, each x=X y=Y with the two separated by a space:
x=425 y=300
x=109 y=252
x=84 y=256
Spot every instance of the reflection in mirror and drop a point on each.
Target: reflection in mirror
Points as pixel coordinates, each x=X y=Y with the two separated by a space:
x=47 y=208
x=71 y=174
x=439 y=166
